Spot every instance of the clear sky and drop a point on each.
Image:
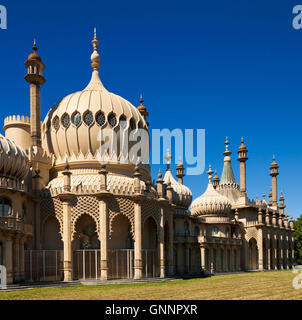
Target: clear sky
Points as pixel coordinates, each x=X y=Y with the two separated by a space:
x=230 y=67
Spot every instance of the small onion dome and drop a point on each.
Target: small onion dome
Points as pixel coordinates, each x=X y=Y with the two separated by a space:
x=216 y=178
x=242 y=146
x=281 y=197
x=182 y=195
x=14 y=162
x=141 y=107
x=274 y=164
x=34 y=57
x=211 y=202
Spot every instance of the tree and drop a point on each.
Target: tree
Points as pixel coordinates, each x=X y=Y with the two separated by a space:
x=298 y=240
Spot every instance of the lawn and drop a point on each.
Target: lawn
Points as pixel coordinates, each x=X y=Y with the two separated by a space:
x=258 y=285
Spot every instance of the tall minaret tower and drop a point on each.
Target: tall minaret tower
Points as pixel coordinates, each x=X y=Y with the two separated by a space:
x=35 y=78
x=242 y=158
x=274 y=173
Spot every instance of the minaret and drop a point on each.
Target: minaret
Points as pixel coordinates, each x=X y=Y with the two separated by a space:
x=35 y=78
x=274 y=173
x=180 y=172
x=143 y=110
x=242 y=158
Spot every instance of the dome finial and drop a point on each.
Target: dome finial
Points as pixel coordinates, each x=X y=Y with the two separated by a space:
x=95 y=57
x=35 y=46
x=141 y=99
x=168 y=157
x=227 y=152
x=210 y=172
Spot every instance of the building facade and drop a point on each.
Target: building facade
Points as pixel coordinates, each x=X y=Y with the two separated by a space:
x=67 y=216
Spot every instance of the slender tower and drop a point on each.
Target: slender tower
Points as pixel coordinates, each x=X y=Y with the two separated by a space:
x=180 y=172
x=274 y=173
x=35 y=78
x=242 y=158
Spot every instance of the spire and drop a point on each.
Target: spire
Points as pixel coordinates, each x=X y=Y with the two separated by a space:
x=95 y=82
x=168 y=157
x=227 y=176
x=95 y=57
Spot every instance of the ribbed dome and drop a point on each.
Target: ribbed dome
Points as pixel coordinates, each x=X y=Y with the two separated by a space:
x=182 y=195
x=211 y=202
x=72 y=126
x=14 y=162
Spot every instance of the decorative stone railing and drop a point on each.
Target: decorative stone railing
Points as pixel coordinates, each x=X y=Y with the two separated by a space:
x=183 y=238
x=10 y=183
x=220 y=240
x=13 y=224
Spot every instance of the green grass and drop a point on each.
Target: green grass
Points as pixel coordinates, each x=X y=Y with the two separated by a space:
x=255 y=286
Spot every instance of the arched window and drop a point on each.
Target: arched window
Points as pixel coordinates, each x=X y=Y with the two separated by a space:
x=215 y=232
x=5 y=207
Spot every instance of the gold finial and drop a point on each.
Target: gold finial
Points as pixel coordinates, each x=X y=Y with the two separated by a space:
x=227 y=152
x=141 y=99
x=210 y=172
x=95 y=57
x=35 y=46
x=168 y=157
x=159 y=174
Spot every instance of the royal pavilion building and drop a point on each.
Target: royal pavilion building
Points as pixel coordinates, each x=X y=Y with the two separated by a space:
x=64 y=216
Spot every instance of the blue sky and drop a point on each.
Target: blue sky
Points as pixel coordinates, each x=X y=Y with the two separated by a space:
x=230 y=67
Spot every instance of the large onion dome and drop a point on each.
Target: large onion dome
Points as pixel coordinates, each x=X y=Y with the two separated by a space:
x=71 y=128
x=14 y=162
x=211 y=202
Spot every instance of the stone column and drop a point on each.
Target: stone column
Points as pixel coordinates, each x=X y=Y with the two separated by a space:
x=232 y=260
x=67 y=265
x=138 y=264
x=21 y=259
x=292 y=254
x=260 y=249
x=8 y=259
x=171 y=267
x=268 y=254
x=162 y=244
x=37 y=225
x=225 y=263
x=104 y=235
x=238 y=260
x=203 y=258
x=211 y=253
x=187 y=253
x=16 y=260
x=218 y=259
x=275 y=256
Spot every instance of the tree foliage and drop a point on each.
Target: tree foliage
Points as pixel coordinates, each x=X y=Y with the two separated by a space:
x=298 y=240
